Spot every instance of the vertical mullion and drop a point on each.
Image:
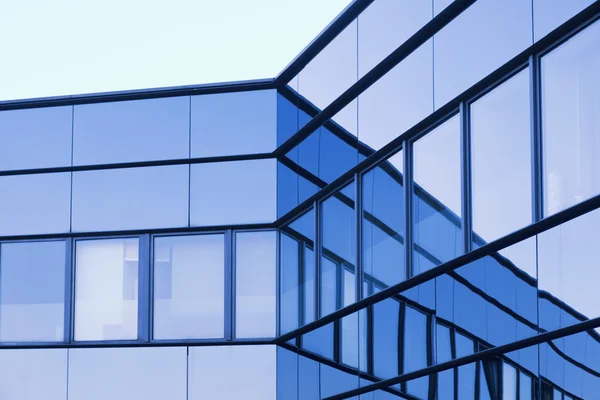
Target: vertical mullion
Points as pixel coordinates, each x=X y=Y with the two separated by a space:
x=408 y=206
x=318 y=251
x=229 y=286
x=358 y=205
x=69 y=285
x=465 y=148
x=401 y=334
x=537 y=195
x=144 y=290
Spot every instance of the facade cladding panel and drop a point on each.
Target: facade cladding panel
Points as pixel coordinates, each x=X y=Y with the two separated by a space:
x=409 y=210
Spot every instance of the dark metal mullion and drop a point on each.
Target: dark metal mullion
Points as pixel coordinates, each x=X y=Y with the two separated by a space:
x=318 y=251
x=407 y=147
x=401 y=335
x=465 y=160
x=358 y=210
x=69 y=285
x=229 y=286
x=453 y=357
x=537 y=195
x=144 y=289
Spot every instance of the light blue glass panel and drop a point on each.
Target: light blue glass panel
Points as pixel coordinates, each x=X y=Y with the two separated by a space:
x=156 y=373
x=416 y=348
x=466 y=373
x=238 y=192
x=501 y=159
x=287 y=374
x=127 y=131
x=232 y=372
x=386 y=316
x=130 y=198
x=525 y=387
x=32 y=291
x=308 y=379
x=35 y=204
x=570 y=121
x=35 y=138
x=509 y=382
x=106 y=289
x=550 y=14
x=189 y=287
x=33 y=374
x=255 y=283
x=477 y=42
x=289 y=315
x=445 y=379
x=234 y=123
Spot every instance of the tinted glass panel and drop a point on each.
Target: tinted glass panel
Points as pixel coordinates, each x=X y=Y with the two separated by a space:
x=437 y=196
x=477 y=42
x=126 y=131
x=501 y=159
x=234 y=123
x=570 y=121
x=189 y=285
x=35 y=138
x=32 y=291
x=35 y=204
x=255 y=283
x=550 y=14
x=509 y=382
x=130 y=198
x=236 y=192
x=106 y=289
x=128 y=373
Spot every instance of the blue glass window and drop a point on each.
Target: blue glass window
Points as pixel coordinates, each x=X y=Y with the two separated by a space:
x=238 y=192
x=550 y=14
x=130 y=198
x=35 y=138
x=466 y=373
x=32 y=290
x=189 y=287
x=386 y=316
x=416 y=348
x=289 y=285
x=127 y=131
x=445 y=379
x=35 y=204
x=234 y=123
x=509 y=382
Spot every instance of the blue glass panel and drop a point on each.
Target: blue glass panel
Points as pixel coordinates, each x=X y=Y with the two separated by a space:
x=289 y=316
x=287 y=374
x=386 y=316
x=35 y=204
x=501 y=159
x=127 y=131
x=128 y=373
x=308 y=379
x=255 y=283
x=477 y=42
x=238 y=192
x=415 y=350
x=234 y=123
x=466 y=373
x=287 y=119
x=189 y=285
x=350 y=343
x=320 y=341
x=509 y=382
x=130 y=198
x=525 y=387
x=334 y=381
x=445 y=379
x=550 y=14
x=35 y=138
x=570 y=121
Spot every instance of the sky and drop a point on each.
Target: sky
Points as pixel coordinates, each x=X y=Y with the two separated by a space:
x=64 y=47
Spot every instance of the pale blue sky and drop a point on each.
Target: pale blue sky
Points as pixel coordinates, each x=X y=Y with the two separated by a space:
x=62 y=47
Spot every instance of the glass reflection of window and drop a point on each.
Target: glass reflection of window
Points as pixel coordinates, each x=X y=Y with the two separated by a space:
x=466 y=373
x=416 y=350
x=509 y=382
x=106 y=289
x=445 y=379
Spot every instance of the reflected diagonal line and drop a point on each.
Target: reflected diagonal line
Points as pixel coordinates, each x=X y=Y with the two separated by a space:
x=486 y=250
x=494 y=352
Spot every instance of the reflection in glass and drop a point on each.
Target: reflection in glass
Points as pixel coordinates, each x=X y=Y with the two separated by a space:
x=416 y=348
x=106 y=289
x=255 y=284
x=501 y=159
x=550 y=14
x=445 y=379
x=385 y=340
x=437 y=196
x=189 y=285
x=570 y=121
x=32 y=291
x=509 y=382
x=466 y=373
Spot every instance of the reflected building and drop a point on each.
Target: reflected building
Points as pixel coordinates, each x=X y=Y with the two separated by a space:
x=409 y=210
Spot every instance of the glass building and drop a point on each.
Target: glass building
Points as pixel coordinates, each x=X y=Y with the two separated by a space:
x=409 y=210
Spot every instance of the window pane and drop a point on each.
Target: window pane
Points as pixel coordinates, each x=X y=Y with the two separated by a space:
x=571 y=122
x=32 y=289
x=509 y=382
x=189 y=287
x=466 y=373
x=477 y=42
x=437 y=196
x=289 y=315
x=255 y=267
x=130 y=198
x=127 y=131
x=501 y=151
x=35 y=138
x=35 y=204
x=386 y=315
x=550 y=14
x=106 y=289
x=234 y=123
x=415 y=350
x=525 y=388
x=128 y=373
x=238 y=192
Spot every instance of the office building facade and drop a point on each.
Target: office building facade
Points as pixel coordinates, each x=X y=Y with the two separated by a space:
x=409 y=210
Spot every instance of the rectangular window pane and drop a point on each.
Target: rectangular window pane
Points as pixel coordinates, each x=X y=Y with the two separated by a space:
x=509 y=382
x=525 y=387
x=32 y=290
x=570 y=121
x=550 y=14
x=255 y=281
x=106 y=289
x=437 y=196
x=189 y=285
x=130 y=198
x=238 y=192
x=35 y=204
x=35 y=138
x=128 y=131
x=501 y=159
x=234 y=123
